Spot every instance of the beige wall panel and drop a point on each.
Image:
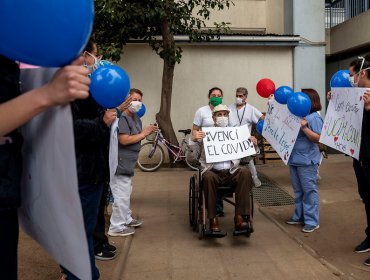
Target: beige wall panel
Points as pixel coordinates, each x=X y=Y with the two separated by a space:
x=202 y=68
x=350 y=34
x=244 y=15
x=275 y=16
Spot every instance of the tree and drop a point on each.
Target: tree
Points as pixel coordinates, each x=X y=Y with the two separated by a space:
x=156 y=21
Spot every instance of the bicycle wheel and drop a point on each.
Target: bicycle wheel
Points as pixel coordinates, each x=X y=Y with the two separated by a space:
x=150 y=157
x=194 y=167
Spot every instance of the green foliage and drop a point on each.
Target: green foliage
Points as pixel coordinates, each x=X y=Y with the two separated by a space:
x=117 y=21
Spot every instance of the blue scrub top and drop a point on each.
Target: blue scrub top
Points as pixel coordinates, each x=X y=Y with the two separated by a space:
x=304 y=151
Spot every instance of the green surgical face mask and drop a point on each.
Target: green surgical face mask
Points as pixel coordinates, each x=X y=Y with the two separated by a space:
x=215 y=101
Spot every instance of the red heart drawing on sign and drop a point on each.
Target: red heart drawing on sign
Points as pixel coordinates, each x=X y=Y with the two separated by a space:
x=352 y=151
x=335 y=138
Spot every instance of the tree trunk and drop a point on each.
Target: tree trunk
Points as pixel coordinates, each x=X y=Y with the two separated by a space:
x=163 y=117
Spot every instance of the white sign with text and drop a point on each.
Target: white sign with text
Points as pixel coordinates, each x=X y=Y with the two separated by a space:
x=227 y=143
x=281 y=129
x=343 y=121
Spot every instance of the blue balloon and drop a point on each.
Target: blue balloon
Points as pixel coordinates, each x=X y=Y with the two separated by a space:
x=109 y=86
x=104 y=63
x=282 y=94
x=299 y=104
x=142 y=111
x=259 y=126
x=45 y=33
x=340 y=79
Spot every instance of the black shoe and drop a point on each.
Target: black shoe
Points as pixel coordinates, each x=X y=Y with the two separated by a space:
x=367 y=262
x=104 y=255
x=110 y=248
x=363 y=247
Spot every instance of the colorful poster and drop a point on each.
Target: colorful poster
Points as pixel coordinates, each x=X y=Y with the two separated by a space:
x=227 y=143
x=281 y=129
x=343 y=121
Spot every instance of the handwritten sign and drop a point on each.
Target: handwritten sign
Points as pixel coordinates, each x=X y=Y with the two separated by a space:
x=227 y=143
x=281 y=129
x=343 y=121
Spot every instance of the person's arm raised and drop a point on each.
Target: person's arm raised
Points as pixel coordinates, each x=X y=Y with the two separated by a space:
x=69 y=83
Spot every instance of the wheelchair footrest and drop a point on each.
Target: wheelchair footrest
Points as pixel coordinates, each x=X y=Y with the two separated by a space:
x=214 y=234
x=244 y=231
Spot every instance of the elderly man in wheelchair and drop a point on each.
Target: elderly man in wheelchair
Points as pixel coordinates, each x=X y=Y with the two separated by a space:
x=226 y=173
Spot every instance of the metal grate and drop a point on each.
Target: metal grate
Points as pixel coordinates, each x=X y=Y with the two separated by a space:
x=269 y=194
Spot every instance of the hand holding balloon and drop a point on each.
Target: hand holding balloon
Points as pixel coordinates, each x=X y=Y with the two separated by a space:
x=69 y=83
x=109 y=116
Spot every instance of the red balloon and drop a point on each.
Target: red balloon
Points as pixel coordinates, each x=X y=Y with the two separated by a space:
x=265 y=87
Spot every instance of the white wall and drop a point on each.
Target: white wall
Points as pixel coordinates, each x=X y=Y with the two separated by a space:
x=309 y=57
x=201 y=68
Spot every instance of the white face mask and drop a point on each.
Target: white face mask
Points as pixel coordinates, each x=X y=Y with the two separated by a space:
x=352 y=78
x=222 y=121
x=96 y=62
x=352 y=81
x=135 y=106
x=239 y=101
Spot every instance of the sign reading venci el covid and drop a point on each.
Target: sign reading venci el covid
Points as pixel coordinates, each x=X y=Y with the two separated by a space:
x=227 y=143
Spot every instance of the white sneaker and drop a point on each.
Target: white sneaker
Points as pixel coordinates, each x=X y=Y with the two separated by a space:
x=257 y=182
x=124 y=232
x=134 y=223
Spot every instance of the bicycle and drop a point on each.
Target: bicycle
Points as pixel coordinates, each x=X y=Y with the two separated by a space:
x=151 y=154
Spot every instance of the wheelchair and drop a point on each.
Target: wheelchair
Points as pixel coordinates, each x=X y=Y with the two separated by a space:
x=198 y=211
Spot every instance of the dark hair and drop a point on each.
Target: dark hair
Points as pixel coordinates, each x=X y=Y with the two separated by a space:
x=135 y=90
x=315 y=99
x=356 y=64
x=213 y=89
x=242 y=90
x=90 y=45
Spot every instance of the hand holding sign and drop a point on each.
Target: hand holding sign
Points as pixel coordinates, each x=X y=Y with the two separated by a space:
x=366 y=99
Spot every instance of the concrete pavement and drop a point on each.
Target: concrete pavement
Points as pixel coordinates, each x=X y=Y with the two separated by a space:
x=166 y=248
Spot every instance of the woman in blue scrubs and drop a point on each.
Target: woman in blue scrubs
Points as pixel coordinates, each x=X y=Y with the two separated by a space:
x=303 y=163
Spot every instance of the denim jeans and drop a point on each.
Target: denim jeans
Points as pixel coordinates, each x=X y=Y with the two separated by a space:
x=90 y=198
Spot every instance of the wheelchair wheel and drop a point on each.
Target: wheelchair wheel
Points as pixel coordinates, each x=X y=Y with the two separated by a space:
x=201 y=230
x=192 y=205
x=202 y=221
